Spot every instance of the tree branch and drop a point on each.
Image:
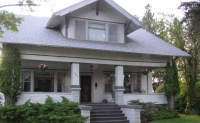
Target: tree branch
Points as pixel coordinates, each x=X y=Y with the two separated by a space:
x=9 y=5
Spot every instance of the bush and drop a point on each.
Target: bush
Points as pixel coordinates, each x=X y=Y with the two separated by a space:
x=152 y=112
x=50 y=112
x=164 y=113
x=148 y=112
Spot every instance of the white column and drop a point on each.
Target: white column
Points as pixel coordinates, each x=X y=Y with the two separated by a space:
x=150 y=82
x=55 y=81
x=119 y=85
x=75 y=87
x=32 y=81
x=143 y=86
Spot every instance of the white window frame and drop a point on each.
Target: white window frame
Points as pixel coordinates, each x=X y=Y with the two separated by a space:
x=100 y=22
x=32 y=72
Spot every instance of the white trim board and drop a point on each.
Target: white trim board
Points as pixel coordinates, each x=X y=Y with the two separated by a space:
x=90 y=61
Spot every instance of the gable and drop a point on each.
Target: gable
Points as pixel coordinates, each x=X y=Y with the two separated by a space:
x=119 y=13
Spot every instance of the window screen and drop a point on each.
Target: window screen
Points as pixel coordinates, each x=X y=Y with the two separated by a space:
x=80 y=29
x=113 y=32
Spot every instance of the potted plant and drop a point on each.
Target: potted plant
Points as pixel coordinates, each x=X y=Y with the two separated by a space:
x=145 y=71
x=43 y=67
x=105 y=101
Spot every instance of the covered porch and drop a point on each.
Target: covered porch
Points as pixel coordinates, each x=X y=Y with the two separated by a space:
x=87 y=81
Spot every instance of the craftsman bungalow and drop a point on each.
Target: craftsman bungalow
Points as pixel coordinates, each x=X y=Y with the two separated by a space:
x=91 y=48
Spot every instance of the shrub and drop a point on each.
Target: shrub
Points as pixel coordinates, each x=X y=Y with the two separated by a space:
x=152 y=112
x=148 y=111
x=50 y=112
x=164 y=113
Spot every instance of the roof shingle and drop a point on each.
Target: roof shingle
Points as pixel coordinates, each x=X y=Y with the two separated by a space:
x=32 y=31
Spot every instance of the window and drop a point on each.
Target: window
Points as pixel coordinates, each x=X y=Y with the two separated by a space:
x=109 y=82
x=96 y=31
x=26 y=80
x=127 y=83
x=136 y=84
x=44 y=82
x=61 y=81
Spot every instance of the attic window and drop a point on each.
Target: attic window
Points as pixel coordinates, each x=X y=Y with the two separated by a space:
x=96 y=31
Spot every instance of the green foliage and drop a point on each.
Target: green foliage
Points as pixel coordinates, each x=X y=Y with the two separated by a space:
x=171 y=82
x=164 y=113
x=181 y=119
x=8 y=21
x=50 y=112
x=148 y=112
x=10 y=73
x=152 y=112
x=192 y=21
x=168 y=85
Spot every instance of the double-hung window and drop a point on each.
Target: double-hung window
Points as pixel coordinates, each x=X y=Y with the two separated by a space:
x=96 y=31
x=26 y=80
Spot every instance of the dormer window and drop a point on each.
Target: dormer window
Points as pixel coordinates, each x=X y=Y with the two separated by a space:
x=96 y=31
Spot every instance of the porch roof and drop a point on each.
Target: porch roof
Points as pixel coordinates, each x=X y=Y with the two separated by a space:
x=32 y=31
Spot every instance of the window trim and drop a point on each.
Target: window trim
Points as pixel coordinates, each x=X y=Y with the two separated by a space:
x=101 y=22
x=32 y=71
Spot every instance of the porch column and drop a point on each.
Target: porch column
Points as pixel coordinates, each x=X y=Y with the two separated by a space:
x=143 y=86
x=75 y=87
x=150 y=83
x=119 y=85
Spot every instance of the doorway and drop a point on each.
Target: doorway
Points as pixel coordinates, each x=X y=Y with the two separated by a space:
x=85 y=88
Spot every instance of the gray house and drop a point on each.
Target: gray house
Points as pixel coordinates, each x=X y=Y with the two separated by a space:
x=91 y=48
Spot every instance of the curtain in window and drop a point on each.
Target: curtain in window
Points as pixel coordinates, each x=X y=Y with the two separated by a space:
x=26 y=80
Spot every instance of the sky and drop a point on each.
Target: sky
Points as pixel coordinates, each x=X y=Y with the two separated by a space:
x=135 y=7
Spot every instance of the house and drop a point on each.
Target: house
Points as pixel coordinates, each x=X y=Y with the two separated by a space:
x=91 y=48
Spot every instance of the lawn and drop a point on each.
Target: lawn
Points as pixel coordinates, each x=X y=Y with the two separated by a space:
x=181 y=119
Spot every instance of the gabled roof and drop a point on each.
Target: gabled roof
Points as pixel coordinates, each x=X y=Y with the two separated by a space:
x=58 y=15
x=33 y=32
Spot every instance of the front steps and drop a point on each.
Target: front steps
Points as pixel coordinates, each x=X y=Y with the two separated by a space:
x=106 y=113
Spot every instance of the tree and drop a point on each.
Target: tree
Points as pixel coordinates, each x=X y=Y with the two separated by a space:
x=10 y=21
x=148 y=20
x=192 y=22
x=168 y=85
x=10 y=73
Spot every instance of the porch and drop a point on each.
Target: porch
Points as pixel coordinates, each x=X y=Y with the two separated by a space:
x=79 y=82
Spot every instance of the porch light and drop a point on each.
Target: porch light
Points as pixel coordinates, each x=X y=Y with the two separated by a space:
x=91 y=67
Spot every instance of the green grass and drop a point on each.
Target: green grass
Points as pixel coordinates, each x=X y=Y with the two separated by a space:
x=181 y=119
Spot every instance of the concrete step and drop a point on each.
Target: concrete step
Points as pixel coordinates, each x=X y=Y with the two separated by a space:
x=111 y=121
x=105 y=111
x=107 y=118
x=107 y=115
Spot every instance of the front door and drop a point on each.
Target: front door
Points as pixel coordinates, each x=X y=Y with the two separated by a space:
x=85 y=88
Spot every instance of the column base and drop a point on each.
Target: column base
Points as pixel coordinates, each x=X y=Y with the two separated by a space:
x=76 y=94
x=119 y=95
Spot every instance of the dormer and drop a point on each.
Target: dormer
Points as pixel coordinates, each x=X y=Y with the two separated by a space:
x=95 y=20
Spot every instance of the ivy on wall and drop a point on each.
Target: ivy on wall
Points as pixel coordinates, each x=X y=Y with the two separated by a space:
x=10 y=73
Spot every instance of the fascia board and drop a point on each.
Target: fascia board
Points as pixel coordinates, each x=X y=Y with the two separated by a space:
x=74 y=7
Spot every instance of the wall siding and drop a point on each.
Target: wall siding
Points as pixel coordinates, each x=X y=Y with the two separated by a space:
x=106 y=13
x=157 y=98
x=40 y=97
